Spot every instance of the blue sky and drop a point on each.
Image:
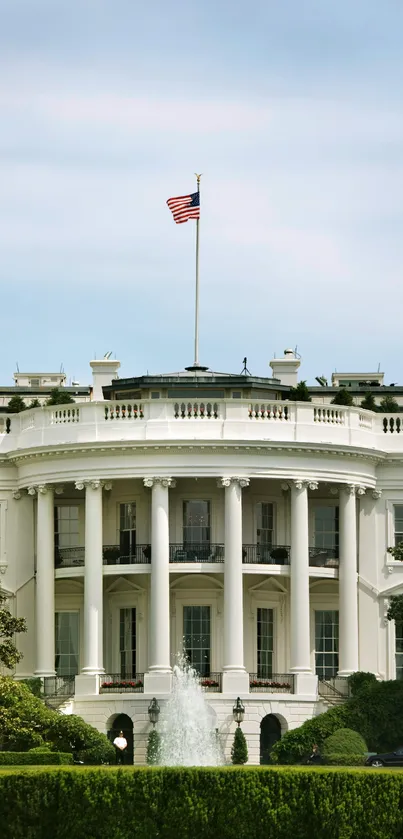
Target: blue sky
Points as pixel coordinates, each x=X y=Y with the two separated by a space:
x=292 y=111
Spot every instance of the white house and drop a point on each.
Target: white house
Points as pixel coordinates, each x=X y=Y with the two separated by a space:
x=204 y=510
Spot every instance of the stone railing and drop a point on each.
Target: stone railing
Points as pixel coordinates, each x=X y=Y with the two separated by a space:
x=224 y=420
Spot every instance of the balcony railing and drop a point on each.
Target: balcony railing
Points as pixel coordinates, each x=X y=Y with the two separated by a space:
x=266 y=554
x=116 y=683
x=54 y=686
x=277 y=683
x=211 y=683
x=324 y=557
x=111 y=555
x=207 y=552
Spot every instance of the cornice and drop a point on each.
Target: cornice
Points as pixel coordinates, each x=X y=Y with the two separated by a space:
x=183 y=446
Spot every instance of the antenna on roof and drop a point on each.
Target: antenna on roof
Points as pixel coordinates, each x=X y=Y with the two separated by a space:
x=379 y=367
x=18 y=369
x=107 y=355
x=245 y=371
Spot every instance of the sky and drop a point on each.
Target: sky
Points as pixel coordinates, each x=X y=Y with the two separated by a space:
x=292 y=111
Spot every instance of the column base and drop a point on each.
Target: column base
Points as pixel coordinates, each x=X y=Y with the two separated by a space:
x=42 y=674
x=342 y=674
x=157 y=682
x=306 y=684
x=235 y=682
x=87 y=684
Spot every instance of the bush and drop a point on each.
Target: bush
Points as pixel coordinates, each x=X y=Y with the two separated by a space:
x=343 y=397
x=300 y=393
x=239 y=751
x=376 y=712
x=345 y=760
x=34 y=685
x=153 y=748
x=167 y=803
x=344 y=741
x=360 y=680
x=72 y=733
x=35 y=758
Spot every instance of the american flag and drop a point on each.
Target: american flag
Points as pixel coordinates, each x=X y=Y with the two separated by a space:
x=185 y=207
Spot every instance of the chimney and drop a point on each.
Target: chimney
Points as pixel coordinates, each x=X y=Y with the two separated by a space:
x=286 y=368
x=103 y=371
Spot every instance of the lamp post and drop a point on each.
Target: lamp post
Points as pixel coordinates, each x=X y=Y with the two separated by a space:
x=238 y=711
x=154 y=711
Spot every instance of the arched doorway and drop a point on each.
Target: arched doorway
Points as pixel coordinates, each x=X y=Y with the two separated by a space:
x=123 y=723
x=270 y=732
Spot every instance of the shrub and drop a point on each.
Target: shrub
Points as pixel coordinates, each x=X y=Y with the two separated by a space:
x=153 y=748
x=360 y=680
x=72 y=733
x=389 y=405
x=34 y=685
x=16 y=405
x=369 y=402
x=344 y=760
x=343 y=397
x=239 y=751
x=300 y=393
x=59 y=397
x=35 y=758
x=344 y=741
x=167 y=803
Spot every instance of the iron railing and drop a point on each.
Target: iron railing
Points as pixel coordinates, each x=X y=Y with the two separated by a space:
x=54 y=686
x=206 y=552
x=111 y=555
x=277 y=683
x=211 y=683
x=324 y=557
x=336 y=689
x=266 y=554
x=116 y=683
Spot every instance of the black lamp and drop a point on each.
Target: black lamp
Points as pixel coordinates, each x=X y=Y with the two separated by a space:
x=238 y=711
x=154 y=711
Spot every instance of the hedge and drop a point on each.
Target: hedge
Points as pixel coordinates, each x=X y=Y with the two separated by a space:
x=233 y=802
x=345 y=741
x=35 y=758
x=344 y=760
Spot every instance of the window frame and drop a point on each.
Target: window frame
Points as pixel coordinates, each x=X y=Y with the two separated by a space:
x=321 y=608
x=69 y=611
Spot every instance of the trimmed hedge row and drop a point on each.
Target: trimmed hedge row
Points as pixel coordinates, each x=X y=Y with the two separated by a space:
x=164 y=803
x=35 y=758
x=344 y=760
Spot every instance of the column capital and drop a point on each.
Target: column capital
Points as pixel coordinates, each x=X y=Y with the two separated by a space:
x=93 y=483
x=40 y=489
x=17 y=494
x=376 y=493
x=304 y=483
x=353 y=489
x=227 y=481
x=169 y=483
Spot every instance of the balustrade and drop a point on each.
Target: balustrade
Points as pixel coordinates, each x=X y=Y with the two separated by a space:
x=270 y=411
x=276 y=683
x=266 y=554
x=62 y=415
x=116 y=683
x=332 y=416
x=392 y=425
x=196 y=410
x=123 y=410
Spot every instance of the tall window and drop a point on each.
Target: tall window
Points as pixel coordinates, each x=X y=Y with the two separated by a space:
x=66 y=643
x=326 y=643
x=127 y=643
x=197 y=637
x=264 y=643
x=264 y=522
x=327 y=527
x=398 y=523
x=66 y=526
x=127 y=531
x=399 y=650
x=196 y=522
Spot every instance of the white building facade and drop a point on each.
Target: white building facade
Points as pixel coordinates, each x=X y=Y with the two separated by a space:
x=202 y=512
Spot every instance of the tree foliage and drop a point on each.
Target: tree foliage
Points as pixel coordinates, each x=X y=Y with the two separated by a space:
x=344 y=741
x=239 y=750
x=35 y=403
x=343 y=397
x=395 y=610
x=300 y=393
x=59 y=397
x=389 y=405
x=368 y=403
x=359 y=680
x=16 y=405
x=153 y=748
x=9 y=627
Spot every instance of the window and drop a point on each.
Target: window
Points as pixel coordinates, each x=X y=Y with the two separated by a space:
x=264 y=524
x=327 y=527
x=127 y=531
x=326 y=644
x=264 y=643
x=155 y=394
x=398 y=523
x=127 y=643
x=66 y=526
x=66 y=643
x=197 y=637
x=34 y=382
x=196 y=523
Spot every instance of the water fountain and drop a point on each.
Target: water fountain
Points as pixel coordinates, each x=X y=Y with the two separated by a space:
x=187 y=737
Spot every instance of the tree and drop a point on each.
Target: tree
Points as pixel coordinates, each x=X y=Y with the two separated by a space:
x=389 y=405
x=300 y=393
x=343 y=397
x=35 y=403
x=9 y=626
x=369 y=402
x=395 y=610
x=16 y=404
x=239 y=751
x=59 y=397
x=153 y=748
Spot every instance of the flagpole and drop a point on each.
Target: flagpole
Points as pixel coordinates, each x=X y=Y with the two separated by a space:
x=196 y=356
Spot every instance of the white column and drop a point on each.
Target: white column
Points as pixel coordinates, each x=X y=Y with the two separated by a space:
x=300 y=652
x=93 y=580
x=45 y=582
x=235 y=678
x=348 y=595
x=158 y=678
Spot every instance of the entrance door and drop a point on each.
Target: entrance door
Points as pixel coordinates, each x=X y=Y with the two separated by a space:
x=270 y=732
x=125 y=724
